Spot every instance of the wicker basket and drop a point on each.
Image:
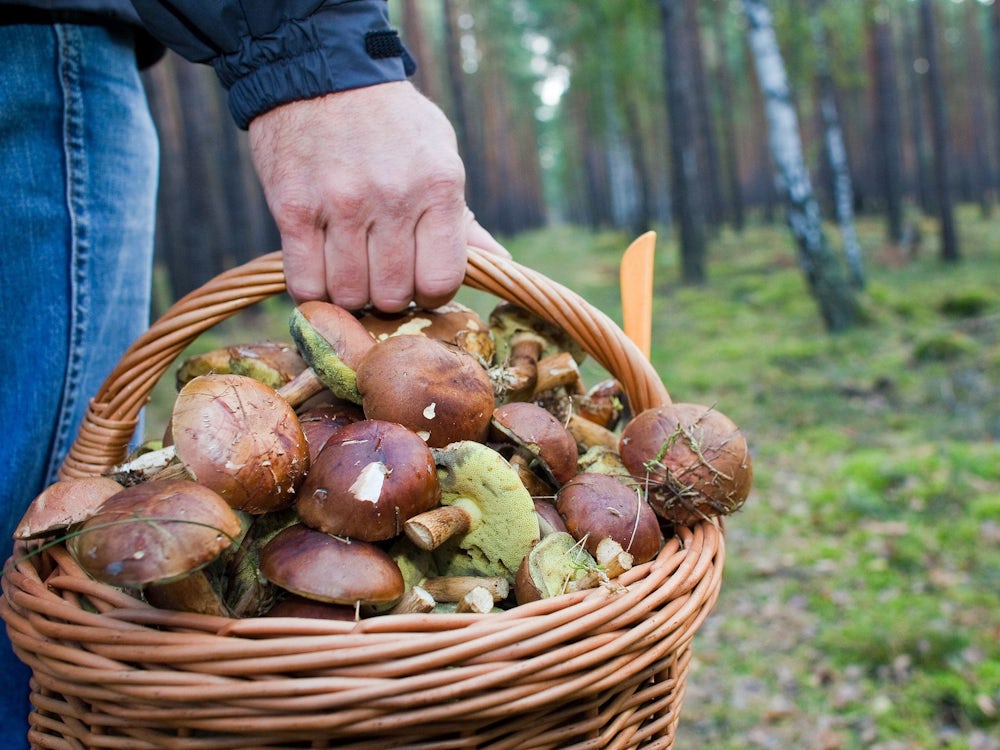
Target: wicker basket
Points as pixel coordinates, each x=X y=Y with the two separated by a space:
x=599 y=669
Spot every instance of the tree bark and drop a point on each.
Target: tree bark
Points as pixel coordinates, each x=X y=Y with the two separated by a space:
x=888 y=129
x=686 y=193
x=834 y=296
x=836 y=151
x=939 y=135
x=736 y=210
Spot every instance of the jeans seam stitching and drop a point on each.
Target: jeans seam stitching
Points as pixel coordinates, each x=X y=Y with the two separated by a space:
x=77 y=209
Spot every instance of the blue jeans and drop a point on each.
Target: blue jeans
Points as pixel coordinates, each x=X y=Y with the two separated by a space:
x=78 y=159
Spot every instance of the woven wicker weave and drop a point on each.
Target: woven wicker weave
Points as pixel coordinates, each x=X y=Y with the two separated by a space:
x=600 y=669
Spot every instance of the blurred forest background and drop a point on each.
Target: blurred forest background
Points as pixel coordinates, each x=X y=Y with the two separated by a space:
x=860 y=597
x=674 y=115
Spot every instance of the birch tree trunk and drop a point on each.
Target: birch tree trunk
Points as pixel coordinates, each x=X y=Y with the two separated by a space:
x=833 y=294
x=836 y=151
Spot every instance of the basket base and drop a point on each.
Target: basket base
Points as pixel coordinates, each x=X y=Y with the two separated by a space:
x=642 y=712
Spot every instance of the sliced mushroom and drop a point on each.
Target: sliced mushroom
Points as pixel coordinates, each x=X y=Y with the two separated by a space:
x=326 y=568
x=370 y=477
x=477 y=483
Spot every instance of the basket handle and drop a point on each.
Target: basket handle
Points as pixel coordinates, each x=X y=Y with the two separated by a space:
x=113 y=413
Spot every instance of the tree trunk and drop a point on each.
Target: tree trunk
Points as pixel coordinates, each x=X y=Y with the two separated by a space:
x=701 y=109
x=736 y=207
x=918 y=137
x=836 y=151
x=888 y=130
x=939 y=134
x=978 y=93
x=686 y=193
x=834 y=296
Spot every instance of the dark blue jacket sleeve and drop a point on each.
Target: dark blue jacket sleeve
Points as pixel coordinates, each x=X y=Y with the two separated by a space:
x=269 y=53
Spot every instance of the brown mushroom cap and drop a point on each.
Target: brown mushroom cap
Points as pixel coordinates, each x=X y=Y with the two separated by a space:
x=154 y=532
x=318 y=566
x=320 y=423
x=532 y=427
x=695 y=459
x=599 y=506
x=63 y=504
x=238 y=437
x=453 y=323
x=370 y=477
x=435 y=389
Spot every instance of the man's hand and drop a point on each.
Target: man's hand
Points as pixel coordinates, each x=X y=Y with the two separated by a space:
x=368 y=191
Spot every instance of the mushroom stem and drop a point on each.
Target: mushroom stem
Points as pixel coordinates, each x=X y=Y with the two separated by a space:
x=454 y=588
x=429 y=530
x=478 y=601
x=522 y=370
x=415 y=601
x=533 y=483
x=558 y=370
x=611 y=556
x=301 y=388
x=588 y=434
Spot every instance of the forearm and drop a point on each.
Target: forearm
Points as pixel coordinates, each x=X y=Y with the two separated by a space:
x=267 y=54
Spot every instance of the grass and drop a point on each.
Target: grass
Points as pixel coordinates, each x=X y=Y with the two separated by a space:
x=860 y=599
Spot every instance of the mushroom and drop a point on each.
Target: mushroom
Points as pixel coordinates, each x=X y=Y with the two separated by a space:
x=536 y=431
x=292 y=605
x=604 y=404
x=558 y=564
x=454 y=588
x=549 y=519
x=598 y=506
x=694 y=460
x=272 y=363
x=326 y=568
x=370 y=477
x=602 y=459
x=238 y=437
x=64 y=503
x=453 y=323
x=522 y=339
x=333 y=342
x=435 y=389
x=158 y=531
x=489 y=519
x=319 y=423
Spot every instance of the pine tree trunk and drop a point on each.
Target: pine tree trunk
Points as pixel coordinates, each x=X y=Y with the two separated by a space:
x=888 y=129
x=686 y=192
x=736 y=206
x=834 y=296
x=939 y=134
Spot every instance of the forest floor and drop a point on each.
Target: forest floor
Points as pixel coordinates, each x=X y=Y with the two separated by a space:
x=860 y=604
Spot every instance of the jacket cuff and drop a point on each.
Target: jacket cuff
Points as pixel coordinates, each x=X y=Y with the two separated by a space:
x=344 y=46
